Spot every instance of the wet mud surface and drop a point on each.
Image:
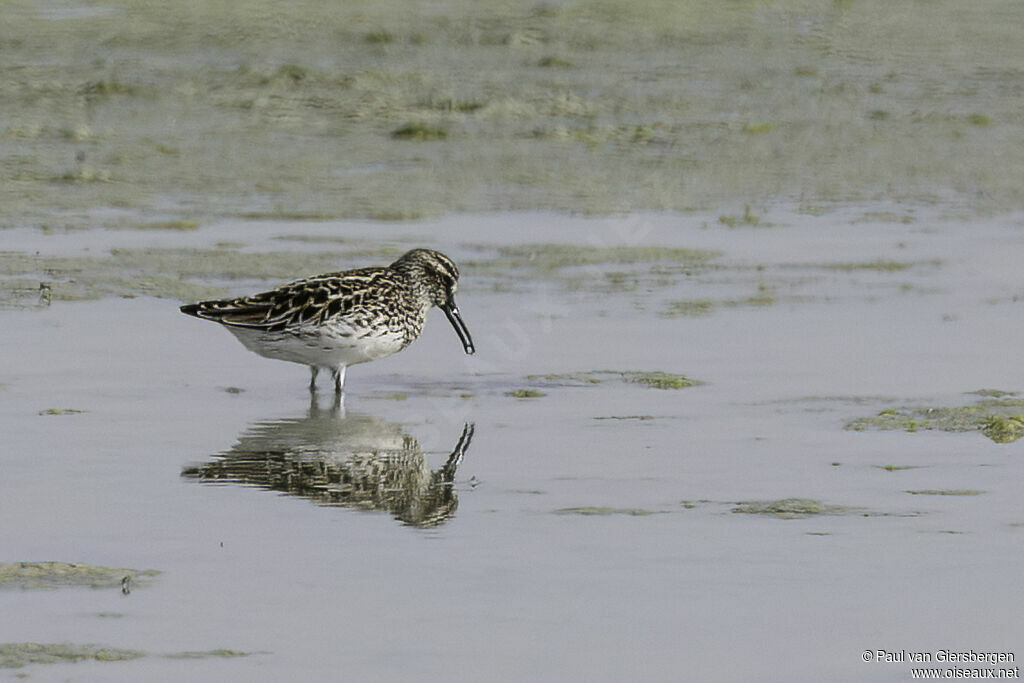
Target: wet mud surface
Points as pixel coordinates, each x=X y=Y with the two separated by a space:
x=320 y=110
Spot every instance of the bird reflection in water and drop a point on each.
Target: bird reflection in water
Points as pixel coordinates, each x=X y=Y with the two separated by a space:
x=354 y=461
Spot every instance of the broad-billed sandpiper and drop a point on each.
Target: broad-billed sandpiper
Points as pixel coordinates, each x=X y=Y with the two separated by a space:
x=340 y=319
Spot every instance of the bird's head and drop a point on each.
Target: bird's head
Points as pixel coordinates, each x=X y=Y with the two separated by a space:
x=435 y=279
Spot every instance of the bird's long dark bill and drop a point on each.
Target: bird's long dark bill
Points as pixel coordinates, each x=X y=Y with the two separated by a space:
x=452 y=311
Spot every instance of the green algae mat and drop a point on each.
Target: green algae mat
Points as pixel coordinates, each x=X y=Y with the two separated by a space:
x=998 y=415
x=35 y=575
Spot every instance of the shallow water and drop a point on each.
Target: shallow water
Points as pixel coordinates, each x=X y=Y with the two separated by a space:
x=590 y=533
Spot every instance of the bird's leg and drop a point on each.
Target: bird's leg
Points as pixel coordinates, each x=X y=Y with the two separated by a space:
x=313 y=372
x=339 y=379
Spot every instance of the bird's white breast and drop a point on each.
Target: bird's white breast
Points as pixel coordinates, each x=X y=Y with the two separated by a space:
x=327 y=346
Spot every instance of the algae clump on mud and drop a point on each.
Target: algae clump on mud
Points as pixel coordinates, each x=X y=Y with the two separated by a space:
x=661 y=380
x=526 y=393
x=945 y=492
x=602 y=511
x=1001 y=419
x=203 y=654
x=1004 y=429
x=695 y=308
x=656 y=379
x=553 y=256
x=419 y=131
x=61 y=574
x=790 y=508
x=61 y=411
x=17 y=655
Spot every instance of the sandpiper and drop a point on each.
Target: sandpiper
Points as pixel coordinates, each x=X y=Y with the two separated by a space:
x=340 y=319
